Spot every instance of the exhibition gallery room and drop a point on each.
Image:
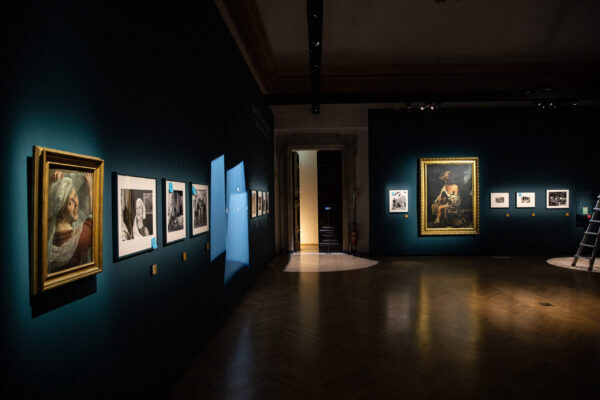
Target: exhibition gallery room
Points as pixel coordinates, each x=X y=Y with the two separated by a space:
x=301 y=199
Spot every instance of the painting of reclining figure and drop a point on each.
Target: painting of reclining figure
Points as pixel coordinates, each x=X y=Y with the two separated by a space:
x=449 y=196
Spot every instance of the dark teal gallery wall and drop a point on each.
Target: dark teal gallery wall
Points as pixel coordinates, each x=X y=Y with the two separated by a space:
x=156 y=91
x=518 y=149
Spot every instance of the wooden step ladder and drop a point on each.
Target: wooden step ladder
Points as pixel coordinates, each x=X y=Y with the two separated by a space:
x=592 y=231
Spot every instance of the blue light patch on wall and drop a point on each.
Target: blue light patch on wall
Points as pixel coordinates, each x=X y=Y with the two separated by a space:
x=236 y=180
x=238 y=254
x=218 y=218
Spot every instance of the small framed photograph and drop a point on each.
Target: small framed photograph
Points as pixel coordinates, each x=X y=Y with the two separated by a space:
x=253 y=203
x=136 y=215
x=499 y=200
x=259 y=210
x=525 y=199
x=199 y=209
x=557 y=198
x=66 y=243
x=268 y=202
x=398 y=201
x=175 y=223
x=264 y=203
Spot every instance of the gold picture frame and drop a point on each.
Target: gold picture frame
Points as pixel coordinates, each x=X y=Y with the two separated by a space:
x=449 y=196
x=66 y=244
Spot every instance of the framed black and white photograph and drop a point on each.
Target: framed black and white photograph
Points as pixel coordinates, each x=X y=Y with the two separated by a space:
x=525 y=200
x=557 y=198
x=175 y=222
x=499 y=200
x=259 y=210
x=199 y=209
x=268 y=202
x=398 y=201
x=136 y=214
x=253 y=203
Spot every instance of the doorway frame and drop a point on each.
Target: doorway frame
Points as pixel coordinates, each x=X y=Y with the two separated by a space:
x=284 y=146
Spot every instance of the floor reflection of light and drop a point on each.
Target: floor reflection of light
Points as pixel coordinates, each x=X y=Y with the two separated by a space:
x=398 y=306
x=326 y=262
x=239 y=372
x=423 y=333
x=448 y=324
x=308 y=303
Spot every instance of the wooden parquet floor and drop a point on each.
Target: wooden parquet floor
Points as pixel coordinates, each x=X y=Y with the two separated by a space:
x=408 y=328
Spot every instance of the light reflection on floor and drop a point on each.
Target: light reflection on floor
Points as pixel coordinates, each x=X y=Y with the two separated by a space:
x=582 y=264
x=326 y=262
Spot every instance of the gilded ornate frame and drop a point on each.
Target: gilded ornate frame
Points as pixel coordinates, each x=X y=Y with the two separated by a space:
x=43 y=159
x=424 y=214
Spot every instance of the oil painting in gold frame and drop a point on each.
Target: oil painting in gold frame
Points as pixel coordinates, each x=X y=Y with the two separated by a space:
x=449 y=196
x=66 y=241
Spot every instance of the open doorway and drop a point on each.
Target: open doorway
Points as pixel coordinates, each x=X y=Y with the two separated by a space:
x=317 y=201
x=287 y=189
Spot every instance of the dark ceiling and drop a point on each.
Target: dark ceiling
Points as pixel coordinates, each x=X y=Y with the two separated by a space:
x=411 y=50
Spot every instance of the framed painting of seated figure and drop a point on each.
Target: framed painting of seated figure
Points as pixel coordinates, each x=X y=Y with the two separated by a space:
x=449 y=196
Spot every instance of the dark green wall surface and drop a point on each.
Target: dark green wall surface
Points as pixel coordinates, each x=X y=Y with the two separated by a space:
x=518 y=149
x=156 y=91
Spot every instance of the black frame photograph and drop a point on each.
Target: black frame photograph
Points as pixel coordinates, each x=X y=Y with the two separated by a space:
x=136 y=214
x=174 y=211
x=557 y=198
x=199 y=209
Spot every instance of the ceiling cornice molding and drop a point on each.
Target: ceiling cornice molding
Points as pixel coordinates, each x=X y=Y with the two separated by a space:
x=426 y=78
x=244 y=15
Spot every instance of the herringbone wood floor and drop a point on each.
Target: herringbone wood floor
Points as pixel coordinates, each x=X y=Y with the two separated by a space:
x=414 y=328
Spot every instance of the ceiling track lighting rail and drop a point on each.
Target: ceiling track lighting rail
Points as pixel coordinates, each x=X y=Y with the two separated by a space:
x=545 y=101
x=314 y=13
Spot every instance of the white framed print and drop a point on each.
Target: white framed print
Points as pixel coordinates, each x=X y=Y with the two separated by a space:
x=499 y=200
x=175 y=212
x=268 y=202
x=525 y=200
x=259 y=210
x=253 y=202
x=557 y=198
x=136 y=214
x=199 y=209
x=398 y=201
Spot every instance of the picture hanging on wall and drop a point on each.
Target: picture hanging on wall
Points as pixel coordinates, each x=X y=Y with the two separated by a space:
x=253 y=202
x=499 y=200
x=175 y=223
x=259 y=210
x=557 y=198
x=398 y=201
x=449 y=196
x=268 y=202
x=66 y=216
x=264 y=203
x=199 y=209
x=525 y=200
x=136 y=215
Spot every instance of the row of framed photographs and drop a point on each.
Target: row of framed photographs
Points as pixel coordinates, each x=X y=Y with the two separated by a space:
x=136 y=216
x=555 y=198
x=260 y=203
